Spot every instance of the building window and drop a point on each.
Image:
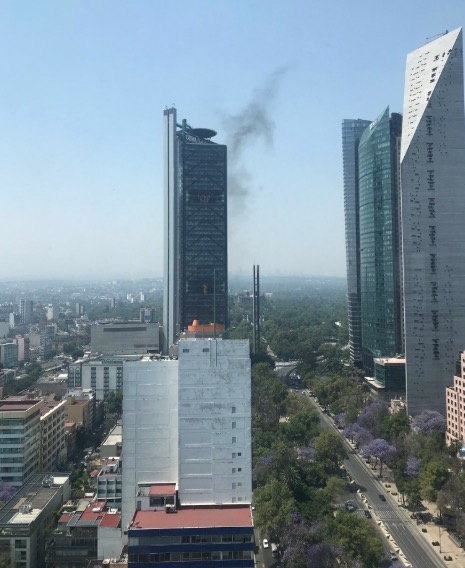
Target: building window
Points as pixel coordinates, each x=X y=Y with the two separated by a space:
x=234 y=439
x=233 y=410
x=233 y=425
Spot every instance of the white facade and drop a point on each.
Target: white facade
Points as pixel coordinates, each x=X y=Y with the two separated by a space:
x=52 y=431
x=214 y=422
x=433 y=208
x=171 y=218
x=188 y=422
x=150 y=428
x=102 y=376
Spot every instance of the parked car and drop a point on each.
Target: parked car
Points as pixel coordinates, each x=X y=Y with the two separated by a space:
x=382 y=497
x=367 y=514
x=393 y=556
x=265 y=543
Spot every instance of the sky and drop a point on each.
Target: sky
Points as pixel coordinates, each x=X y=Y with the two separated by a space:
x=82 y=92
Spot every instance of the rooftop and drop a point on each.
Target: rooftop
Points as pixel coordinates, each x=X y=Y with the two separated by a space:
x=194 y=517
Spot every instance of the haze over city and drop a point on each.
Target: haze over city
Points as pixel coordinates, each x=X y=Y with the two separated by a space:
x=83 y=92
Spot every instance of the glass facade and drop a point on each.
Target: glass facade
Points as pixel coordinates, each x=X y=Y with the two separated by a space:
x=352 y=130
x=380 y=282
x=203 y=288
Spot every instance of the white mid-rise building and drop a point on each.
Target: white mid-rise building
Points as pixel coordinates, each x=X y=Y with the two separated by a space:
x=214 y=421
x=188 y=422
x=433 y=209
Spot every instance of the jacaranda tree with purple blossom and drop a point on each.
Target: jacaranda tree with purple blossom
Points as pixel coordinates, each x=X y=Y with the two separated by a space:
x=357 y=434
x=379 y=449
x=413 y=466
x=429 y=422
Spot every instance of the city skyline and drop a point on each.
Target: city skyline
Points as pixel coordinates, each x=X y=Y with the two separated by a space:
x=80 y=108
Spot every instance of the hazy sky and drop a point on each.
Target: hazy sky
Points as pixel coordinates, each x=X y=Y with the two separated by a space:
x=82 y=92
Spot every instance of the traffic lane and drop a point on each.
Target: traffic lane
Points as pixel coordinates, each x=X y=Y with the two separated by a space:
x=412 y=548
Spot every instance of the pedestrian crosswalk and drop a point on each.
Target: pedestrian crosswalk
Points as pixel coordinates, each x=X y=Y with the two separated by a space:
x=386 y=514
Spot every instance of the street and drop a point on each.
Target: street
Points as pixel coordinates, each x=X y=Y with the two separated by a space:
x=394 y=518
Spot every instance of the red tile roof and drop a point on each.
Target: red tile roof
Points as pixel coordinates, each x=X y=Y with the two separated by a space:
x=167 y=489
x=110 y=520
x=194 y=517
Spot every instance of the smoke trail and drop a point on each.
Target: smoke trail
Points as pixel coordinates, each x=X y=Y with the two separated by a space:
x=252 y=123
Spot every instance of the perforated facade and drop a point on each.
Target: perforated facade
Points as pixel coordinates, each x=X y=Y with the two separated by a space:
x=433 y=209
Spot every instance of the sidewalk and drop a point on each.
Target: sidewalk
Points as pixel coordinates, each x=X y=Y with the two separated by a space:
x=430 y=531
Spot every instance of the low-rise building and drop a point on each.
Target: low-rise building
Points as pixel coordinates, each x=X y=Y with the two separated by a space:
x=192 y=537
x=112 y=445
x=92 y=531
x=455 y=405
x=80 y=408
x=132 y=337
x=26 y=516
x=109 y=481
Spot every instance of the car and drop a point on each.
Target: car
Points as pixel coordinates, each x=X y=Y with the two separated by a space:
x=265 y=543
x=382 y=497
x=350 y=506
x=367 y=514
x=393 y=556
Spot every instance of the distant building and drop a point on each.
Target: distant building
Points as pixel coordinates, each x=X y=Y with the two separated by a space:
x=80 y=309
x=26 y=311
x=23 y=344
x=15 y=319
x=9 y=355
x=126 y=338
x=51 y=313
x=45 y=347
x=147 y=315
x=20 y=440
x=103 y=376
x=4 y=329
x=195 y=259
x=26 y=517
x=352 y=130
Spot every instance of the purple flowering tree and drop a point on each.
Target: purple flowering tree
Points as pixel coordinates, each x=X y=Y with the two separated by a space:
x=371 y=416
x=357 y=434
x=6 y=491
x=379 y=449
x=429 y=422
x=340 y=419
x=413 y=467
x=307 y=454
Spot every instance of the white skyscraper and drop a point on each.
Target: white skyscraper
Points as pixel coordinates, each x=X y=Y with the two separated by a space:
x=433 y=212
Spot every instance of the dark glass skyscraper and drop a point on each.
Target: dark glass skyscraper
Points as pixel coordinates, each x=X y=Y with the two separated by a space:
x=352 y=130
x=380 y=266
x=195 y=271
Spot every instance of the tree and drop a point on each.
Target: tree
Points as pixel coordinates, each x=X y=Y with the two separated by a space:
x=274 y=504
x=379 y=449
x=6 y=491
x=357 y=538
x=429 y=422
x=114 y=403
x=330 y=449
x=433 y=478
